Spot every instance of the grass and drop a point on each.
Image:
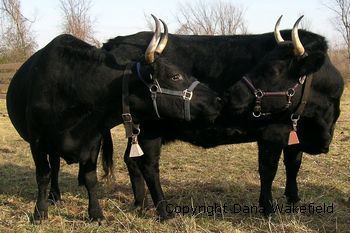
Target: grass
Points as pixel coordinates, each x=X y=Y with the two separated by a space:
x=190 y=176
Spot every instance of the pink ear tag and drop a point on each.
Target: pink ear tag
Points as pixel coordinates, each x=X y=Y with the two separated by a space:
x=293 y=138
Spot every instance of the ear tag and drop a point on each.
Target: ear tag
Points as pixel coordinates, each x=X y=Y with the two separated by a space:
x=135 y=150
x=293 y=138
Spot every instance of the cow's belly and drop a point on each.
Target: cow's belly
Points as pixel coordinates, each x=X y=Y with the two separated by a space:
x=212 y=137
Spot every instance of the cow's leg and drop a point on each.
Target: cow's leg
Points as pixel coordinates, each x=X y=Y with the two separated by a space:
x=136 y=178
x=42 y=179
x=292 y=162
x=54 y=194
x=149 y=167
x=88 y=177
x=269 y=155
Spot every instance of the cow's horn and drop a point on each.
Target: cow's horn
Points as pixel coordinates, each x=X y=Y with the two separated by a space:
x=162 y=44
x=149 y=54
x=277 y=32
x=298 y=46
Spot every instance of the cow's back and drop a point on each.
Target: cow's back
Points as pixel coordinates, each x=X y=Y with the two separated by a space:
x=24 y=90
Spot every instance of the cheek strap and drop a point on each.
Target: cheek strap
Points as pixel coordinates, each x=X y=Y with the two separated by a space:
x=156 y=90
x=188 y=93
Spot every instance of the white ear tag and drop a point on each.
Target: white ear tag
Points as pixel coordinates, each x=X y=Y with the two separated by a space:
x=135 y=150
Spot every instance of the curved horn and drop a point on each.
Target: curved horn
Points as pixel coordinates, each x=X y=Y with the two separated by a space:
x=162 y=44
x=277 y=32
x=298 y=46
x=149 y=54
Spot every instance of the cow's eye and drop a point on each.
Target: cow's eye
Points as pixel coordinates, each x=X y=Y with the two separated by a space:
x=177 y=77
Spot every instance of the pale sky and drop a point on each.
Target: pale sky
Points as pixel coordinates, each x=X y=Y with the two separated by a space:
x=123 y=17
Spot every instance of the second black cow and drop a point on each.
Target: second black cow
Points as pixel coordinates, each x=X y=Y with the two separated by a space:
x=277 y=76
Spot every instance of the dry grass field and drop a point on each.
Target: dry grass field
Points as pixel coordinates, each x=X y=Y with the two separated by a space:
x=190 y=176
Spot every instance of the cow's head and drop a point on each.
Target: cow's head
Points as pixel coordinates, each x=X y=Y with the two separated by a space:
x=281 y=69
x=175 y=94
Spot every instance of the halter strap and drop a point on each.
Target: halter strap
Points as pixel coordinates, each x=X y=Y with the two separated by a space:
x=305 y=97
x=187 y=97
x=156 y=89
x=289 y=93
x=127 y=118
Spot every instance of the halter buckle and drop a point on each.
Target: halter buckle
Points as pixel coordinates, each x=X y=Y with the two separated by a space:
x=290 y=92
x=187 y=95
x=259 y=93
x=127 y=117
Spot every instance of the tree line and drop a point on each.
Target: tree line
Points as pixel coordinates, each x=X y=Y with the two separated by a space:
x=201 y=17
x=17 y=40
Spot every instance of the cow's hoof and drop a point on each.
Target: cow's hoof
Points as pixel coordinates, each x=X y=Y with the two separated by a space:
x=138 y=209
x=39 y=216
x=100 y=221
x=165 y=217
x=96 y=216
x=56 y=202
x=268 y=214
x=293 y=199
x=268 y=210
x=54 y=199
x=141 y=204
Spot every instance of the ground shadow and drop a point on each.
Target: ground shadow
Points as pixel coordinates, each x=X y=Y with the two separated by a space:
x=19 y=181
x=238 y=195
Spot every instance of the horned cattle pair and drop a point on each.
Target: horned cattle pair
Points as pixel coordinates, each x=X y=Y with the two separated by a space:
x=282 y=93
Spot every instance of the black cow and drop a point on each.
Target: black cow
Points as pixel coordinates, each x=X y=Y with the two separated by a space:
x=222 y=61
x=68 y=95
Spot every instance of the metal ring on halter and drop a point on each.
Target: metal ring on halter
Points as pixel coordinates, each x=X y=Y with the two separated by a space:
x=258 y=114
x=294 y=118
x=290 y=92
x=258 y=93
x=153 y=88
x=136 y=131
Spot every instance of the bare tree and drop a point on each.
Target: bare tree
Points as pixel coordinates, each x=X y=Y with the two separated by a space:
x=203 y=18
x=341 y=21
x=77 y=20
x=17 y=39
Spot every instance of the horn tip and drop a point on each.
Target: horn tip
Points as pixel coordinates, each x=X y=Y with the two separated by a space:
x=153 y=16
x=278 y=21
x=298 y=21
x=164 y=25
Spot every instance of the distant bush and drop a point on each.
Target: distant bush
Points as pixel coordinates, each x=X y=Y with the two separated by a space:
x=17 y=41
x=340 y=60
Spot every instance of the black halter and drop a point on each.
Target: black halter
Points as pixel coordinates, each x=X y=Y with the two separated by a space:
x=155 y=89
x=304 y=81
x=259 y=94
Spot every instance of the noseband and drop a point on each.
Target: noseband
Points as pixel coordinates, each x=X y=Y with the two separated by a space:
x=289 y=93
x=259 y=94
x=155 y=90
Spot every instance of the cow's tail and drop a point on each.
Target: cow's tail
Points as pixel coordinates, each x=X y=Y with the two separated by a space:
x=107 y=155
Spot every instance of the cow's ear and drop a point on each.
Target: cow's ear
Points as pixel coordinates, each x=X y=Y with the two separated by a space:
x=310 y=63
